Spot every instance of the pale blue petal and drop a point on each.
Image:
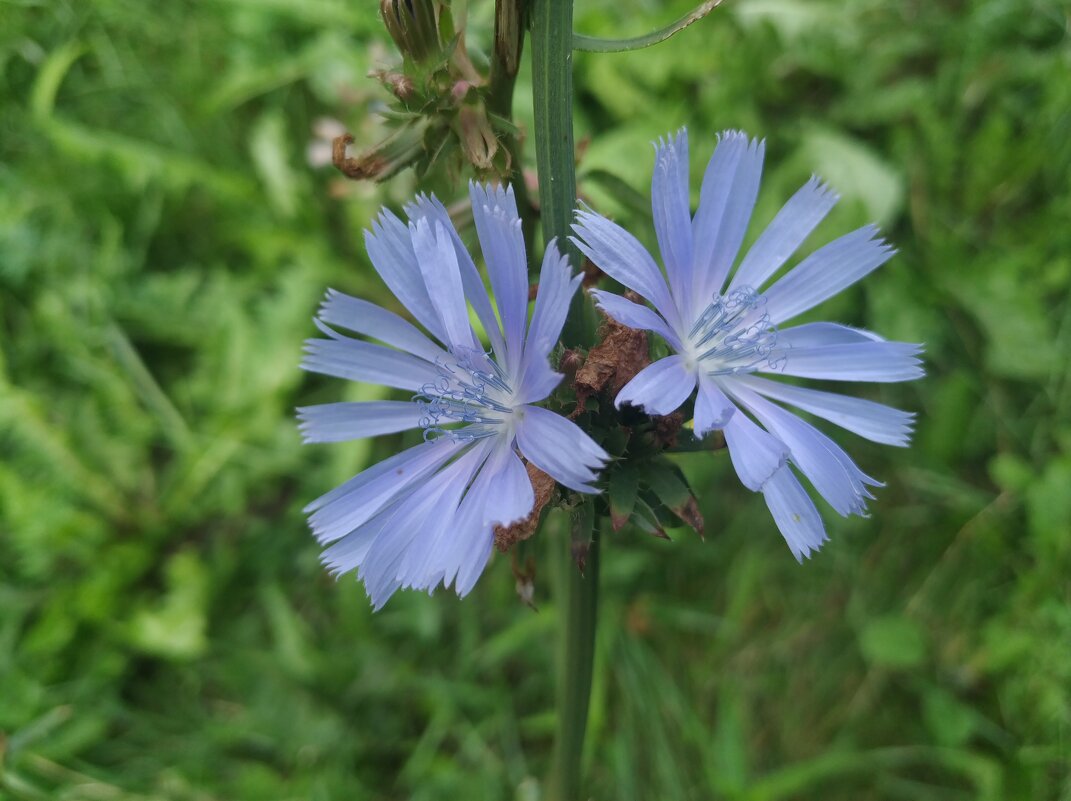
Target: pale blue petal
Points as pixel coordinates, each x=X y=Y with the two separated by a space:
x=826 y=465
x=863 y=361
x=795 y=513
x=395 y=557
x=782 y=237
x=381 y=570
x=498 y=226
x=875 y=421
x=500 y=495
x=510 y=493
x=712 y=408
x=390 y=247
x=438 y=264
x=374 y=321
x=559 y=448
x=539 y=381
x=362 y=361
x=671 y=207
x=427 y=558
x=817 y=335
x=442 y=549
x=475 y=541
x=467 y=544
x=556 y=289
x=338 y=422
x=474 y=546
x=726 y=200
x=350 y=551
x=659 y=388
x=432 y=209
x=826 y=272
x=357 y=501
x=621 y=256
x=756 y=454
x=634 y=315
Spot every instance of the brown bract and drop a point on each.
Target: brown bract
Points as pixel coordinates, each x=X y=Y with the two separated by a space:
x=667 y=428
x=621 y=353
x=367 y=166
x=543 y=486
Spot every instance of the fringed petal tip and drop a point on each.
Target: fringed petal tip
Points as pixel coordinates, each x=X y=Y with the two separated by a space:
x=677 y=139
x=794 y=513
x=821 y=189
x=739 y=137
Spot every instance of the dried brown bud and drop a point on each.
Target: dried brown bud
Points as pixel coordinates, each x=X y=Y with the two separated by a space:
x=414 y=27
x=509 y=36
x=380 y=162
x=543 y=486
x=478 y=140
x=621 y=353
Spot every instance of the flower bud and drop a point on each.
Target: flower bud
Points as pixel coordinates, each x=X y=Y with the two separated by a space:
x=414 y=27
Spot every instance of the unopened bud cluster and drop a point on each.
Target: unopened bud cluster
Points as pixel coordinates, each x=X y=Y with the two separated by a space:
x=440 y=114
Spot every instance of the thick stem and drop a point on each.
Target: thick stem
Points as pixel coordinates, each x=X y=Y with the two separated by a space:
x=577 y=660
x=552 y=95
x=552 y=89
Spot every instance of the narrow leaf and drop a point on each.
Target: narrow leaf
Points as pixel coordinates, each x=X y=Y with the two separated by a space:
x=593 y=44
x=623 y=486
x=647 y=521
x=671 y=488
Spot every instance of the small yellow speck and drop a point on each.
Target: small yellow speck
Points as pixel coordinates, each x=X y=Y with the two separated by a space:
x=795 y=518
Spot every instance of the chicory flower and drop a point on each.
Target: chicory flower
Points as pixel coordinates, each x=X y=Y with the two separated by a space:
x=426 y=516
x=725 y=330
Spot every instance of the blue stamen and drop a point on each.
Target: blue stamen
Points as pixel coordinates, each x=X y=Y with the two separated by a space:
x=471 y=392
x=740 y=338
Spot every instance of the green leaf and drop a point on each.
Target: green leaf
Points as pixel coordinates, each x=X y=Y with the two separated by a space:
x=175 y=628
x=50 y=76
x=670 y=487
x=635 y=202
x=856 y=172
x=951 y=721
x=594 y=44
x=647 y=521
x=894 y=642
x=623 y=485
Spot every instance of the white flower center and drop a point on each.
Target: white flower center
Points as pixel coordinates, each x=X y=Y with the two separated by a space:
x=472 y=390
x=733 y=334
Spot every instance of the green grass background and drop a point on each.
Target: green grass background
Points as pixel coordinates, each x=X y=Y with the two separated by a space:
x=166 y=630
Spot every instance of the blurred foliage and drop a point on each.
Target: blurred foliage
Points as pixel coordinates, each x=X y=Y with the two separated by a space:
x=166 y=631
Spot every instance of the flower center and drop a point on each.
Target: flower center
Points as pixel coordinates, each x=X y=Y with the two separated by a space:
x=734 y=334
x=473 y=391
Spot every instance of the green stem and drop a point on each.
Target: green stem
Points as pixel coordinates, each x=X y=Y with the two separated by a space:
x=577 y=658
x=552 y=90
x=552 y=96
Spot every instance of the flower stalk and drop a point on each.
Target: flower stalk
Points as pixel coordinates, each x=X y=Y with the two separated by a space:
x=576 y=656
x=552 y=88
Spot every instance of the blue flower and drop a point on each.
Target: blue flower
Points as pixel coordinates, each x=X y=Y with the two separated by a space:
x=726 y=331
x=426 y=516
